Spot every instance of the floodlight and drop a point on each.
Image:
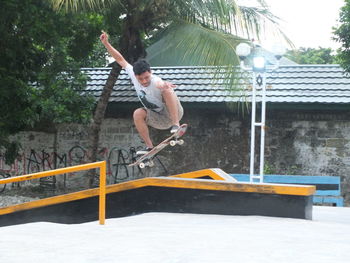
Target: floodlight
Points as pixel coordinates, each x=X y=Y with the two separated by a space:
x=259 y=64
x=243 y=50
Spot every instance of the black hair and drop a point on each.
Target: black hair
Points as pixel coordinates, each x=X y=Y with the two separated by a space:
x=141 y=66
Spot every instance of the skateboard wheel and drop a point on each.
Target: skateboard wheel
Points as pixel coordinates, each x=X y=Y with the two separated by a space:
x=172 y=143
x=181 y=142
x=142 y=165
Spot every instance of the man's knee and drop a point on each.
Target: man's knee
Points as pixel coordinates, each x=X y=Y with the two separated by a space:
x=140 y=114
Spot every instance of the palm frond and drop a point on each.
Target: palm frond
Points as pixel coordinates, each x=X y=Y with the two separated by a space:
x=256 y=22
x=76 y=5
x=192 y=44
x=228 y=17
x=201 y=45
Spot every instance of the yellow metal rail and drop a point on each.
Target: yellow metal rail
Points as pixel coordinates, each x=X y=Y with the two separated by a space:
x=71 y=169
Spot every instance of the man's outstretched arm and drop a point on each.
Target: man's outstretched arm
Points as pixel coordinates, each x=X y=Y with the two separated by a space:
x=112 y=51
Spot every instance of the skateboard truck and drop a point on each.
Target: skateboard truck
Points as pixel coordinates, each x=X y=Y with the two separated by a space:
x=149 y=163
x=176 y=141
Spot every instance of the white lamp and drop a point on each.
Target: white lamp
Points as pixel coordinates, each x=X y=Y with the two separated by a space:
x=259 y=64
x=243 y=50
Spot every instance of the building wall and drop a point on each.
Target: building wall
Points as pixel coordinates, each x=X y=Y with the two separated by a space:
x=297 y=142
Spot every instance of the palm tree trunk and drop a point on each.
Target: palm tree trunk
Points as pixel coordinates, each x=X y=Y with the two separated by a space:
x=95 y=126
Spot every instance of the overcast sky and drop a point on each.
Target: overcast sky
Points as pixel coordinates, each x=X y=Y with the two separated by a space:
x=308 y=23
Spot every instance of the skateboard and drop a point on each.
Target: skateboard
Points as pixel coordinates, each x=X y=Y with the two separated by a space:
x=147 y=159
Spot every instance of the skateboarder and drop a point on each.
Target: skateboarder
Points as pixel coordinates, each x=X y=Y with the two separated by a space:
x=161 y=106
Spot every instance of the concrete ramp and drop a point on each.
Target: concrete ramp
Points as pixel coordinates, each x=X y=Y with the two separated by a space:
x=209 y=191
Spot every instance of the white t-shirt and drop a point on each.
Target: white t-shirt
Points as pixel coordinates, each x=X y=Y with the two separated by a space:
x=150 y=96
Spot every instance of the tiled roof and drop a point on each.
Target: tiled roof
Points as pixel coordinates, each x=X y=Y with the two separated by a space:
x=291 y=84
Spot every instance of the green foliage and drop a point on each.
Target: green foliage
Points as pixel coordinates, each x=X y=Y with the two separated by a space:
x=59 y=100
x=97 y=58
x=292 y=170
x=342 y=35
x=271 y=169
x=208 y=28
x=41 y=52
x=312 y=56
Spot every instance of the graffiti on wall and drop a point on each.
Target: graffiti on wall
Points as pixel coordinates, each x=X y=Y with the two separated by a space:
x=33 y=161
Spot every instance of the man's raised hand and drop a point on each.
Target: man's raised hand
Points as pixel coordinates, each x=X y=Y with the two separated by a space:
x=104 y=37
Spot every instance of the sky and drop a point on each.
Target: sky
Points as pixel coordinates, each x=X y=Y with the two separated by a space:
x=184 y=238
x=308 y=23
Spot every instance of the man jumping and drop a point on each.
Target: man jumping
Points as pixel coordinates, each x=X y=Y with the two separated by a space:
x=161 y=106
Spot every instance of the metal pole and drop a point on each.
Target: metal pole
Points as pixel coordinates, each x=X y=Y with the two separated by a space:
x=252 y=130
x=259 y=81
x=102 y=194
x=262 y=133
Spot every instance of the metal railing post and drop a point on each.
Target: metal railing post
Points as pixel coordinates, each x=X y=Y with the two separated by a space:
x=102 y=196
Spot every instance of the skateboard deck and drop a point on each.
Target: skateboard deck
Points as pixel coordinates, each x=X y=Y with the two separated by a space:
x=147 y=159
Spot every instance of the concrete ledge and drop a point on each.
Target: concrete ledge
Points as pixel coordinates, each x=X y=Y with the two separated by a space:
x=180 y=193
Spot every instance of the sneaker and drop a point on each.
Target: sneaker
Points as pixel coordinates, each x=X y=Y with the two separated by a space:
x=143 y=151
x=174 y=128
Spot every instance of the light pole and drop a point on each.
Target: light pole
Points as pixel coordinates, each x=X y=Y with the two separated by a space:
x=259 y=68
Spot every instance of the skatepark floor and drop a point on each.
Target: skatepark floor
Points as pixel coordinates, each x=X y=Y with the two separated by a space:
x=170 y=237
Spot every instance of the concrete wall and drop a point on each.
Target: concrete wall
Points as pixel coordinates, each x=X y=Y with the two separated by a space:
x=297 y=142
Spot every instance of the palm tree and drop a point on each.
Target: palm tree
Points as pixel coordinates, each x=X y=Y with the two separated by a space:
x=208 y=30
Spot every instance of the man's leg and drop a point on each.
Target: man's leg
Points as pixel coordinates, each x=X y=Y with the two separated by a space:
x=141 y=126
x=171 y=102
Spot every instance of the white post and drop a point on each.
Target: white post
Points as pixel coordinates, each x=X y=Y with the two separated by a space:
x=259 y=81
x=262 y=133
x=252 y=130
